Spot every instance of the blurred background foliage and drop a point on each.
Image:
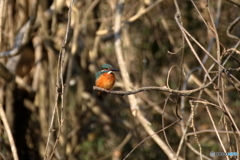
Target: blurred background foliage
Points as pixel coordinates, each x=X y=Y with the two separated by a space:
x=104 y=128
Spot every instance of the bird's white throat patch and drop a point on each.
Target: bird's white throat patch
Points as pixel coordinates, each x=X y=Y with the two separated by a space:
x=109 y=72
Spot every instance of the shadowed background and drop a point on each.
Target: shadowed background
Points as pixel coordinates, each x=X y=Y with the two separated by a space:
x=31 y=37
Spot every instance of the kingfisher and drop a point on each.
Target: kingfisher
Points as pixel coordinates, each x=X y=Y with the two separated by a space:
x=105 y=78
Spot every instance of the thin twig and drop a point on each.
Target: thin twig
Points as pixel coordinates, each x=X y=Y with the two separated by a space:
x=60 y=82
x=216 y=131
x=150 y=137
x=195 y=151
x=233 y=2
x=194 y=128
x=208 y=131
x=177 y=18
x=184 y=132
x=59 y=89
x=140 y=13
x=144 y=11
x=164 y=133
x=230 y=27
x=122 y=144
x=230 y=116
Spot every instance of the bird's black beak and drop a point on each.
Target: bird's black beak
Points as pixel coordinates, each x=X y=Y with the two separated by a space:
x=114 y=69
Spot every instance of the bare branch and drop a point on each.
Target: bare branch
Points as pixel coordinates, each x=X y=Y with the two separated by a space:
x=140 y=13
x=59 y=86
x=234 y=2
x=172 y=124
x=163 y=89
x=216 y=131
x=9 y=133
x=209 y=131
x=5 y=73
x=127 y=83
x=23 y=36
x=230 y=27
x=144 y=11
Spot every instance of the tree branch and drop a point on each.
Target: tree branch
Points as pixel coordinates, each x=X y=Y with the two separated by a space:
x=9 y=133
x=233 y=2
x=23 y=35
x=230 y=27
x=149 y=88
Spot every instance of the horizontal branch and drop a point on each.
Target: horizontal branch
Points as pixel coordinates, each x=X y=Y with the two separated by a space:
x=149 y=88
x=209 y=131
x=163 y=89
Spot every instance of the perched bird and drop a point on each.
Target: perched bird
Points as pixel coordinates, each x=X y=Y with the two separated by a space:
x=105 y=78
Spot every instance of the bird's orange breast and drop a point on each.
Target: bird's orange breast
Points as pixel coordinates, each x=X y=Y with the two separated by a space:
x=106 y=81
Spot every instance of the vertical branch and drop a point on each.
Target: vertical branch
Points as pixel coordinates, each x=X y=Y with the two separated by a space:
x=193 y=108
x=1 y=20
x=9 y=133
x=121 y=62
x=218 y=50
x=60 y=87
x=60 y=81
x=127 y=83
x=184 y=132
